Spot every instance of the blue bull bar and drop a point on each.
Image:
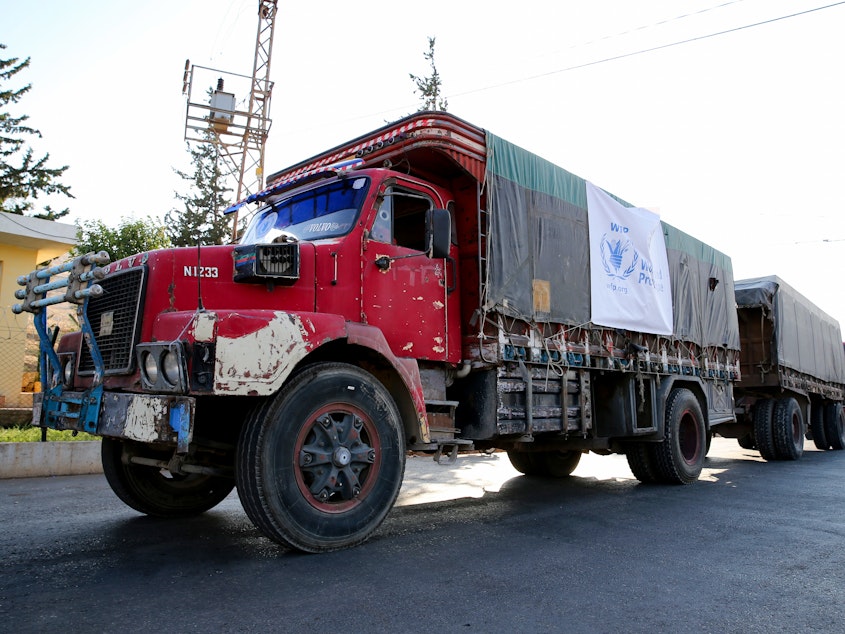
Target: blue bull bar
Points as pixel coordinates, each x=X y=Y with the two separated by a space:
x=60 y=409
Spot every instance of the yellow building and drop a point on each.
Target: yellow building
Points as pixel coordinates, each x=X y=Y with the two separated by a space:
x=24 y=243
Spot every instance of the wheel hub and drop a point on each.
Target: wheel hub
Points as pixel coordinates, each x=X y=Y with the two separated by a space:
x=342 y=457
x=336 y=462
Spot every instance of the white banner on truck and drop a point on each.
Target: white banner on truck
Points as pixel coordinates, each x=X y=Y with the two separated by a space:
x=629 y=270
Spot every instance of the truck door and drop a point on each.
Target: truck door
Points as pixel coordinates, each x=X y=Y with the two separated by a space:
x=405 y=293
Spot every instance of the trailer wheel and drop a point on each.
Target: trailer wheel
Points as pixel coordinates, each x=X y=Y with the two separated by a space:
x=155 y=491
x=641 y=460
x=788 y=426
x=763 y=432
x=680 y=457
x=320 y=465
x=548 y=464
x=834 y=425
x=817 y=426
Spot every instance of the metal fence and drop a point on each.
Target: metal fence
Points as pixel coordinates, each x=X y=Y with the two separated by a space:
x=18 y=359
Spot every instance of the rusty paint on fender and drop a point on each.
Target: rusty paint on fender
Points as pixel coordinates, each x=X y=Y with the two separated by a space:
x=257 y=350
x=204 y=326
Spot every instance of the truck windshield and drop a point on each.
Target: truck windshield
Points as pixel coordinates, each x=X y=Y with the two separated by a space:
x=326 y=211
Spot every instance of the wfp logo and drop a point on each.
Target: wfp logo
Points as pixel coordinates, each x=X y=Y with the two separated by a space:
x=618 y=257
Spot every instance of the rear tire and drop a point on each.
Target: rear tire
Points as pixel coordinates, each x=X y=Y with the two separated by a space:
x=320 y=465
x=834 y=425
x=680 y=457
x=155 y=491
x=641 y=460
x=763 y=432
x=788 y=426
x=817 y=426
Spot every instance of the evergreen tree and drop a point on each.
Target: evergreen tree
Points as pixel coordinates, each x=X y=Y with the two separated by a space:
x=23 y=176
x=130 y=237
x=202 y=220
x=429 y=88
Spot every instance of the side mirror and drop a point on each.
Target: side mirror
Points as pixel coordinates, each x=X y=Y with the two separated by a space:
x=438 y=233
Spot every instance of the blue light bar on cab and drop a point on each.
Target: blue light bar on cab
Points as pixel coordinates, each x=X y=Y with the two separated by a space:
x=337 y=168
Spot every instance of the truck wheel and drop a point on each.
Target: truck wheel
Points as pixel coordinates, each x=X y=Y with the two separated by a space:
x=558 y=464
x=834 y=425
x=320 y=465
x=817 y=426
x=548 y=464
x=641 y=460
x=523 y=461
x=680 y=457
x=763 y=433
x=155 y=491
x=746 y=442
x=788 y=426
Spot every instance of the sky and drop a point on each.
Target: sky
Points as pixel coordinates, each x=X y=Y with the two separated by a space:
x=725 y=117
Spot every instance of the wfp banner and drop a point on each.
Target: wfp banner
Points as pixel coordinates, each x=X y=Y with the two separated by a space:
x=629 y=271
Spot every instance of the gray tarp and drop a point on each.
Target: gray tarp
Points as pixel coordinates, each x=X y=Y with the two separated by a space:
x=538 y=231
x=806 y=339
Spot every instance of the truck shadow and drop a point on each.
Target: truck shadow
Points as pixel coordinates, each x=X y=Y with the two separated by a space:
x=225 y=533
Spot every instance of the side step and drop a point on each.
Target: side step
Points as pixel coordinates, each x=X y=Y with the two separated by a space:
x=447 y=450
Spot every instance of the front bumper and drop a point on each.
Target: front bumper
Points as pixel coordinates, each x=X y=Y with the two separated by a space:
x=160 y=419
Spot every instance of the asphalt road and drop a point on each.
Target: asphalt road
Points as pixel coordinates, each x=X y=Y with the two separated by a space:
x=751 y=547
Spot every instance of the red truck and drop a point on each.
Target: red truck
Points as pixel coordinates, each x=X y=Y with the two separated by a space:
x=427 y=286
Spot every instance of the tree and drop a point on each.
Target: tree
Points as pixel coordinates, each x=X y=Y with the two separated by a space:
x=23 y=176
x=429 y=88
x=130 y=237
x=202 y=220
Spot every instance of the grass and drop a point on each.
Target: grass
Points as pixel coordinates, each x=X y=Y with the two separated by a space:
x=33 y=434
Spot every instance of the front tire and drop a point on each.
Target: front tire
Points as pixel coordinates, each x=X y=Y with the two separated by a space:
x=320 y=466
x=155 y=491
x=680 y=457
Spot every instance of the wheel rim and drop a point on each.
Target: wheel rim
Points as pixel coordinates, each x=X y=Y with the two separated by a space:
x=688 y=438
x=338 y=457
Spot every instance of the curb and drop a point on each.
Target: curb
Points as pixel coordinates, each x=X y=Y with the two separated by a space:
x=55 y=458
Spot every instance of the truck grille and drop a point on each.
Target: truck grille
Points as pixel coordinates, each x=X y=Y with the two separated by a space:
x=114 y=320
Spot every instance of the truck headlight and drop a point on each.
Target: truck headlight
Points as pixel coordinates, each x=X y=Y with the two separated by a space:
x=162 y=366
x=170 y=367
x=67 y=371
x=67 y=362
x=150 y=365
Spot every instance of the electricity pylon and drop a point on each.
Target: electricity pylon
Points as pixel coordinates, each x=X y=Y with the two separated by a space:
x=221 y=119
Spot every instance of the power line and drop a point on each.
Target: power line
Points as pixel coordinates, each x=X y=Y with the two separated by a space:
x=643 y=51
x=663 y=22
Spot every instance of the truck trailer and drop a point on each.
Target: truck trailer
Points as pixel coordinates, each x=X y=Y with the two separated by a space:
x=427 y=286
x=792 y=372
